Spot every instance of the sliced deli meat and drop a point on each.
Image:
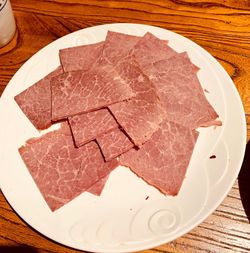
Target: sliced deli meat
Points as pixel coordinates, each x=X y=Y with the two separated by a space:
x=61 y=171
x=80 y=57
x=163 y=160
x=181 y=93
x=129 y=99
x=117 y=46
x=88 y=126
x=140 y=116
x=114 y=143
x=78 y=92
x=35 y=101
x=150 y=49
x=146 y=49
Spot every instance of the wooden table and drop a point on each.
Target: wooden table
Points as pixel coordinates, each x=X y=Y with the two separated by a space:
x=222 y=27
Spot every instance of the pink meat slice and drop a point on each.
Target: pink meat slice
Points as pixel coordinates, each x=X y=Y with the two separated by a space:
x=181 y=93
x=146 y=49
x=60 y=170
x=150 y=49
x=78 y=92
x=117 y=46
x=114 y=143
x=139 y=117
x=35 y=101
x=80 y=57
x=163 y=160
x=98 y=122
x=88 y=126
x=98 y=187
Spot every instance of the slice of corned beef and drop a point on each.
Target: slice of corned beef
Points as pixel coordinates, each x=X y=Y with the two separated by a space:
x=163 y=160
x=80 y=57
x=150 y=49
x=114 y=143
x=78 y=92
x=88 y=126
x=35 y=101
x=181 y=93
x=140 y=116
x=146 y=49
x=117 y=46
x=60 y=170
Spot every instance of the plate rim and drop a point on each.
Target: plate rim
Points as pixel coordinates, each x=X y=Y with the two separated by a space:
x=218 y=202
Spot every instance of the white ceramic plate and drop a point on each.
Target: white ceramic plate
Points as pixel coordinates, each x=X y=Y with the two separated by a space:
x=130 y=215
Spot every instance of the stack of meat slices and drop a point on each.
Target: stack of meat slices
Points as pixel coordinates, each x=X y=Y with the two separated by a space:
x=127 y=100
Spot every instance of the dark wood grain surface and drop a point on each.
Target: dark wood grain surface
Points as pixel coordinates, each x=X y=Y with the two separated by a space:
x=222 y=27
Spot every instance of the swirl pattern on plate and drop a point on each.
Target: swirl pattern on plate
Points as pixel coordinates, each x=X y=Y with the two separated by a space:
x=156 y=218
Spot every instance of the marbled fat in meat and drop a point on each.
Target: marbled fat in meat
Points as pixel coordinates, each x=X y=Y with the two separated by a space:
x=150 y=49
x=78 y=92
x=114 y=143
x=35 y=101
x=117 y=46
x=181 y=93
x=140 y=116
x=88 y=126
x=80 y=57
x=163 y=160
x=60 y=170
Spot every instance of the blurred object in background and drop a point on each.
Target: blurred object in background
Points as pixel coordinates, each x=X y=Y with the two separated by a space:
x=7 y=22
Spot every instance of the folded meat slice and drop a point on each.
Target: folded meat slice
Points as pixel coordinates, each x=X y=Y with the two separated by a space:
x=60 y=170
x=114 y=143
x=78 y=92
x=163 y=160
x=35 y=101
x=181 y=93
x=88 y=126
x=140 y=116
x=80 y=57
